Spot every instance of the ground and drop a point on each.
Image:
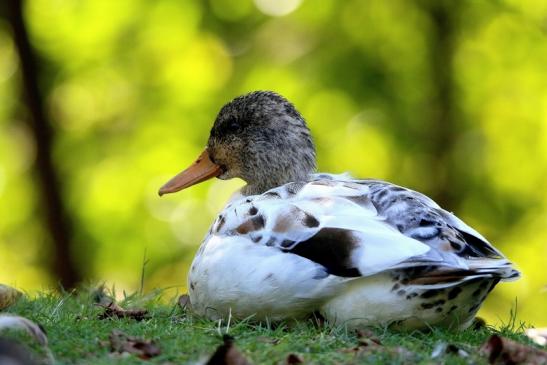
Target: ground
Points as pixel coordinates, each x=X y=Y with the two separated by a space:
x=77 y=335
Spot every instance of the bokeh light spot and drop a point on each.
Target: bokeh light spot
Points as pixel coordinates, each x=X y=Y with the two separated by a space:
x=277 y=7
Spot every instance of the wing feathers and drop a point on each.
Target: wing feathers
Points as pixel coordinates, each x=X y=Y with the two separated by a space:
x=362 y=227
x=333 y=248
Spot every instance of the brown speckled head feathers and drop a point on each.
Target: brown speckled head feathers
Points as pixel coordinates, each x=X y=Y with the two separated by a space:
x=261 y=138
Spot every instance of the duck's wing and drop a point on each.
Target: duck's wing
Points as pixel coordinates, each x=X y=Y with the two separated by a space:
x=450 y=239
x=362 y=227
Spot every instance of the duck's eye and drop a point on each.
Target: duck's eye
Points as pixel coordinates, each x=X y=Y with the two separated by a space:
x=233 y=125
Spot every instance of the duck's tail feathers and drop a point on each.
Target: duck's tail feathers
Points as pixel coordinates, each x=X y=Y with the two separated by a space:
x=447 y=276
x=496 y=268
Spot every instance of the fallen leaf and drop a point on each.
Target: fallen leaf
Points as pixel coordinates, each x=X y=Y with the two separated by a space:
x=184 y=302
x=8 y=296
x=364 y=333
x=538 y=335
x=294 y=359
x=10 y=321
x=501 y=350
x=227 y=354
x=366 y=341
x=369 y=343
x=367 y=338
x=121 y=343
x=113 y=310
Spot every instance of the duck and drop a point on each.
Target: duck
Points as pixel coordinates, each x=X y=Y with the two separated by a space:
x=292 y=242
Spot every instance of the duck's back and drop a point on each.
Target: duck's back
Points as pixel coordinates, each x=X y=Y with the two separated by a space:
x=361 y=249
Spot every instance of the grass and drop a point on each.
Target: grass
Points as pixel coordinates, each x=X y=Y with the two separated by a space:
x=77 y=336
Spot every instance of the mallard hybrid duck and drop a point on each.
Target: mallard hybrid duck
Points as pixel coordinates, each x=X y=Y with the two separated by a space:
x=293 y=242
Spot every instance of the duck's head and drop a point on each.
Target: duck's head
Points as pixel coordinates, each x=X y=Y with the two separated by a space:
x=259 y=137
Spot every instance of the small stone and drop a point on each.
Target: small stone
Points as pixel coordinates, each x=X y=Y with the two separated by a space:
x=8 y=296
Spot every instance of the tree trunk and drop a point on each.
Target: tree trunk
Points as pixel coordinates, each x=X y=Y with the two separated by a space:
x=57 y=220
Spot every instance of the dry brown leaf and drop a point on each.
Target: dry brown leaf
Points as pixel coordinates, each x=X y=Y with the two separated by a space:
x=228 y=354
x=501 y=350
x=184 y=302
x=369 y=343
x=8 y=296
x=367 y=338
x=121 y=343
x=294 y=359
x=113 y=310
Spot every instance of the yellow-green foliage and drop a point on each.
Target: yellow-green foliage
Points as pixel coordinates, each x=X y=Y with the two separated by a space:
x=133 y=87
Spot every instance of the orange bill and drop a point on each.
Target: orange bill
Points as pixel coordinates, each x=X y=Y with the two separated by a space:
x=201 y=170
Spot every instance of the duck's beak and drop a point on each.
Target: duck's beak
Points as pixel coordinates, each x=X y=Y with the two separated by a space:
x=201 y=170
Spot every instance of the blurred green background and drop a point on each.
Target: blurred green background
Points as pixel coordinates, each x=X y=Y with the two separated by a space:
x=446 y=97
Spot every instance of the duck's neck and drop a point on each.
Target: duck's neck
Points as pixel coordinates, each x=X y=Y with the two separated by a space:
x=289 y=157
x=273 y=179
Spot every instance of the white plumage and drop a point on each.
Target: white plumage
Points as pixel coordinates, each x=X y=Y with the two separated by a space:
x=264 y=256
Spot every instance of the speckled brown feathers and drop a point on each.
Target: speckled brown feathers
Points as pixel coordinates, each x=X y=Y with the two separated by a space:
x=262 y=139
